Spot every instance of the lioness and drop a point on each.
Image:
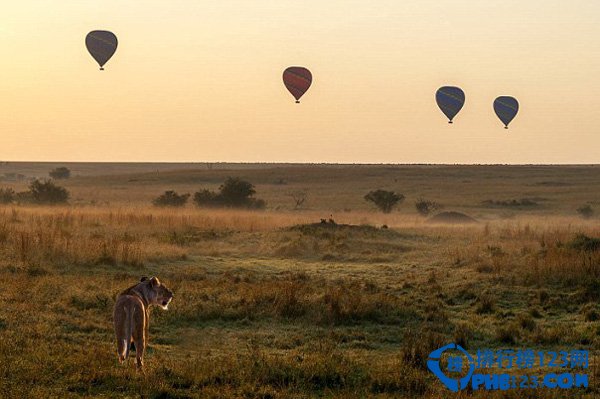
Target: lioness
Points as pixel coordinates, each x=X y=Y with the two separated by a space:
x=131 y=315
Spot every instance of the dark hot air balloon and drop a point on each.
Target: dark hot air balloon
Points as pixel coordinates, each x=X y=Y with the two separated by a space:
x=506 y=108
x=102 y=45
x=450 y=99
x=297 y=80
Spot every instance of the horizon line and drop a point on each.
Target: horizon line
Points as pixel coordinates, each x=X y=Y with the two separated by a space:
x=3 y=162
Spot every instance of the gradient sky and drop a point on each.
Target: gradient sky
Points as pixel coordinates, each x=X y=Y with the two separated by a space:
x=201 y=81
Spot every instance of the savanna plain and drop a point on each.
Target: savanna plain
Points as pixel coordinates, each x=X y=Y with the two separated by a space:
x=274 y=303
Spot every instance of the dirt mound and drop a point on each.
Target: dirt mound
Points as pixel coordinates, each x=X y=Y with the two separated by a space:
x=451 y=218
x=336 y=242
x=316 y=228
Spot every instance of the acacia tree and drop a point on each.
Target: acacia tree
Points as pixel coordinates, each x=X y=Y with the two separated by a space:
x=233 y=193
x=299 y=198
x=384 y=200
x=236 y=192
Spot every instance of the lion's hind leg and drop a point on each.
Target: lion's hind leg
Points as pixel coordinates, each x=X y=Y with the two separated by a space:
x=139 y=338
x=122 y=333
x=121 y=350
x=124 y=315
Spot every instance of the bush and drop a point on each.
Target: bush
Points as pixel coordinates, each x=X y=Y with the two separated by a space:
x=581 y=242
x=485 y=303
x=171 y=198
x=463 y=334
x=590 y=312
x=508 y=333
x=207 y=198
x=585 y=211
x=256 y=203
x=425 y=207
x=7 y=195
x=417 y=345
x=24 y=197
x=44 y=192
x=60 y=173
x=384 y=200
x=524 y=202
x=234 y=193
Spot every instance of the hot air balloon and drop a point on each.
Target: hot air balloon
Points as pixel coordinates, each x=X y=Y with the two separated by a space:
x=297 y=80
x=450 y=99
x=102 y=45
x=506 y=108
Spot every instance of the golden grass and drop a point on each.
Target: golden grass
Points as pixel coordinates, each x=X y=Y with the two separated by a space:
x=269 y=304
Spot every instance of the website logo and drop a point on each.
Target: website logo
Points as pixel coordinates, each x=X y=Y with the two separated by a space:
x=491 y=369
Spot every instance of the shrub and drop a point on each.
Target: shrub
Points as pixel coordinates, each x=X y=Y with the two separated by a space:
x=425 y=207
x=288 y=301
x=463 y=334
x=256 y=203
x=524 y=202
x=590 y=291
x=234 y=193
x=171 y=198
x=581 y=242
x=508 y=333
x=590 y=312
x=60 y=173
x=585 y=211
x=24 y=197
x=206 y=198
x=384 y=200
x=485 y=303
x=417 y=345
x=526 y=321
x=7 y=195
x=44 y=192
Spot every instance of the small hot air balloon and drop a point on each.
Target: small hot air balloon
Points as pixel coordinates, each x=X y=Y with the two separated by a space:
x=297 y=80
x=506 y=108
x=102 y=45
x=450 y=99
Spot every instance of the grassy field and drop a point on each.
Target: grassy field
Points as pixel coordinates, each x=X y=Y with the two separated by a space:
x=272 y=304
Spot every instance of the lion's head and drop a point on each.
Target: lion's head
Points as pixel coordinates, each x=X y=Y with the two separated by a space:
x=156 y=292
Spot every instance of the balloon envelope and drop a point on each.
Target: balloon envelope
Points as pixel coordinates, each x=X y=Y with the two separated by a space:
x=297 y=80
x=506 y=108
x=102 y=45
x=450 y=99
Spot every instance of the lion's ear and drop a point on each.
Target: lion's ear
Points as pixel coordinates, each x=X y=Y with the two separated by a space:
x=144 y=278
x=154 y=282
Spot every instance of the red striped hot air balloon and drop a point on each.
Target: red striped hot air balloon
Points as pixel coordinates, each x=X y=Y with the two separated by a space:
x=297 y=80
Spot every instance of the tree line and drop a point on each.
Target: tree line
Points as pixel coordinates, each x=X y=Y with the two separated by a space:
x=233 y=193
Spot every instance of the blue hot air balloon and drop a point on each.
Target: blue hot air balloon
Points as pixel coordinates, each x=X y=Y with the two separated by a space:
x=450 y=99
x=102 y=45
x=506 y=108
